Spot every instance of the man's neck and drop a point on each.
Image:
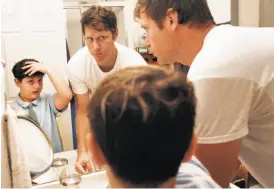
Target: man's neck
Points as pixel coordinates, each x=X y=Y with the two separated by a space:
x=192 y=40
x=108 y=63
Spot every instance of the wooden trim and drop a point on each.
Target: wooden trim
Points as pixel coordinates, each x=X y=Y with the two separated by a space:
x=234 y=11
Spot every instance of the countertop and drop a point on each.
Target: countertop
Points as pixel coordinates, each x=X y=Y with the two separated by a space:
x=49 y=179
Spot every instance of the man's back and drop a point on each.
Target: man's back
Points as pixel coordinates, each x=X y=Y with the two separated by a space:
x=236 y=69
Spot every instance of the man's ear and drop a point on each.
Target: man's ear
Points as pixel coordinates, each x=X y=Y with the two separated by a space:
x=17 y=82
x=97 y=154
x=191 y=149
x=115 y=34
x=172 y=19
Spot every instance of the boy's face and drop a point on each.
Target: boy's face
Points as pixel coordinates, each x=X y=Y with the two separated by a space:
x=30 y=87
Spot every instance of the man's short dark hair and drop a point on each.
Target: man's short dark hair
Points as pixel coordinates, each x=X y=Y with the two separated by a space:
x=19 y=73
x=143 y=120
x=193 y=12
x=99 y=18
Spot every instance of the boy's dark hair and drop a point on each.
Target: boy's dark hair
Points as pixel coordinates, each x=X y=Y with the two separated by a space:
x=193 y=12
x=19 y=73
x=143 y=120
x=99 y=18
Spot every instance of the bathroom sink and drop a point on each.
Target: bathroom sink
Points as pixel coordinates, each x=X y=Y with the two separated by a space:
x=91 y=180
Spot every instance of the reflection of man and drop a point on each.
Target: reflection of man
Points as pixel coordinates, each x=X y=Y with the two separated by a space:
x=232 y=69
x=100 y=56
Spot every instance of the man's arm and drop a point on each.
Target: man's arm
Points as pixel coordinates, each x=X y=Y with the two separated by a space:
x=83 y=132
x=221 y=160
x=82 y=122
x=81 y=89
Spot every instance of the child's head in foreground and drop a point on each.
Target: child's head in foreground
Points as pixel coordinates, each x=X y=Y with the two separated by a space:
x=30 y=86
x=142 y=119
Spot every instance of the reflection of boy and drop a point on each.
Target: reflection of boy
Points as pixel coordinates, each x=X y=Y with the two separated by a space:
x=28 y=77
x=142 y=119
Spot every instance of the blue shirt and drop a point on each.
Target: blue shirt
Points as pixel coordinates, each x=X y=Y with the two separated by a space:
x=46 y=113
x=194 y=175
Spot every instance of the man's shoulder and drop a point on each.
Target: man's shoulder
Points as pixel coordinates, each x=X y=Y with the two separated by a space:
x=80 y=57
x=228 y=49
x=228 y=63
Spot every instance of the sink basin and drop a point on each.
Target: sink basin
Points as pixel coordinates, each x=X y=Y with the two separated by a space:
x=91 y=180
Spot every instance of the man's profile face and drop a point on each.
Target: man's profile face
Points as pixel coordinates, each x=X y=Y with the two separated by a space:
x=157 y=39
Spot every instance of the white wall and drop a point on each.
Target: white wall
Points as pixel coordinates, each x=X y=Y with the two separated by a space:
x=220 y=9
x=35 y=29
x=249 y=13
x=256 y=13
x=132 y=28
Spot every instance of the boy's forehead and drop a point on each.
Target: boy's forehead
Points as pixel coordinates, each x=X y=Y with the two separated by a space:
x=33 y=77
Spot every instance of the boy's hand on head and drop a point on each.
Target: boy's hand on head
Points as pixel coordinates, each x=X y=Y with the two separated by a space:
x=33 y=67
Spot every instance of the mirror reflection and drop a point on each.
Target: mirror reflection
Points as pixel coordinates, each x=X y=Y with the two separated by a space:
x=56 y=52
x=38 y=76
x=39 y=153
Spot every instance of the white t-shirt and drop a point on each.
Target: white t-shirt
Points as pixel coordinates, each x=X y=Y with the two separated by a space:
x=85 y=74
x=233 y=76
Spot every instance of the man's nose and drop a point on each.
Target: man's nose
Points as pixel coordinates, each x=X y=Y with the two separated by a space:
x=95 y=46
x=147 y=42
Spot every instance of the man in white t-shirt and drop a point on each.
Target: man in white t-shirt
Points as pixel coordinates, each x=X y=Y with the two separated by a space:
x=232 y=69
x=87 y=68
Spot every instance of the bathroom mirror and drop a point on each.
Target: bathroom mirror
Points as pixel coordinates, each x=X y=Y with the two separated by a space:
x=37 y=147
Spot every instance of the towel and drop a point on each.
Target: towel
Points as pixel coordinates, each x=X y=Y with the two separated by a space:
x=15 y=173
